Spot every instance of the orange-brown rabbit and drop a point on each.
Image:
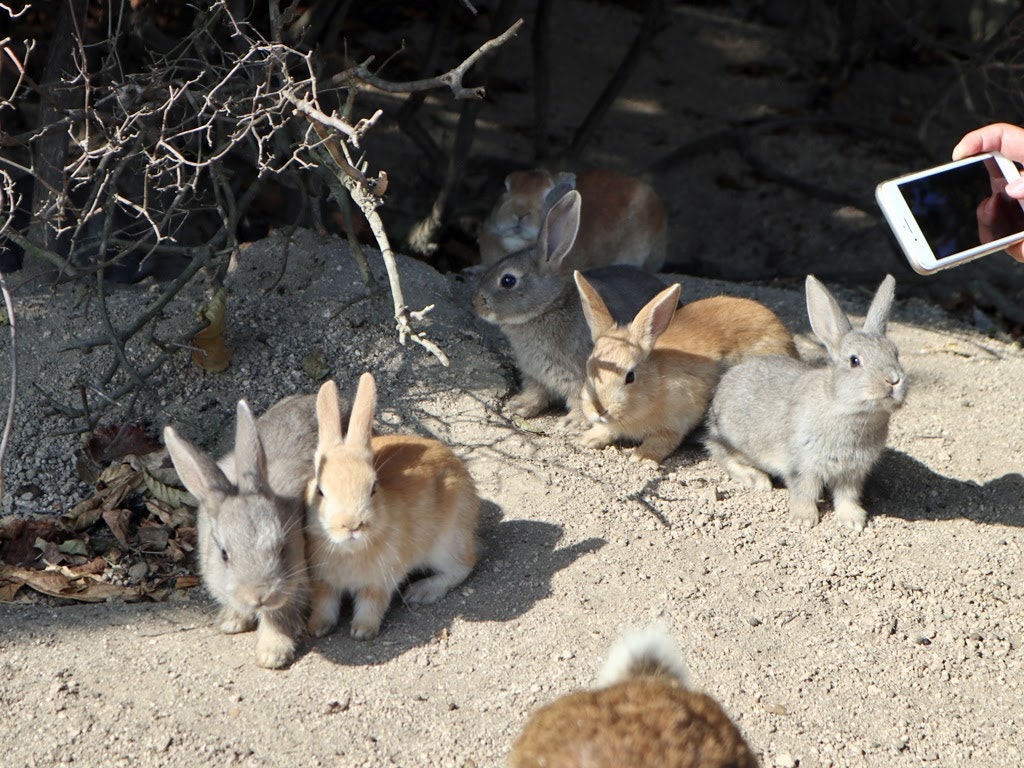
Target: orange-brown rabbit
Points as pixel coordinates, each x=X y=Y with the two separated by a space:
x=651 y=381
x=379 y=508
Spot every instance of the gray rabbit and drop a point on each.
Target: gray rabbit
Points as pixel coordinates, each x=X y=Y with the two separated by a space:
x=531 y=296
x=813 y=426
x=251 y=520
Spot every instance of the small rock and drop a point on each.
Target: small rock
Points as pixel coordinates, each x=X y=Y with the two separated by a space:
x=784 y=760
x=754 y=621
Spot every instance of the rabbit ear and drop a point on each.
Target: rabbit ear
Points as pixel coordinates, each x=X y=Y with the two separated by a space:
x=564 y=183
x=652 y=321
x=828 y=321
x=197 y=470
x=360 y=424
x=558 y=232
x=877 y=320
x=250 y=458
x=328 y=416
x=599 y=319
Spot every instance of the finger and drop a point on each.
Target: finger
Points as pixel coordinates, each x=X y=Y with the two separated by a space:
x=986 y=213
x=999 y=137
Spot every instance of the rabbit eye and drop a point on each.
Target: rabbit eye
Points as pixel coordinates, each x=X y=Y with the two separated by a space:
x=373 y=489
x=854 y=361
x=224 y=554
x=508 y=281
x=630 y=377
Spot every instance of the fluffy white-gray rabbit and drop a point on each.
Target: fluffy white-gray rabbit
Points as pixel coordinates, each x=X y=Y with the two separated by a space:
x=250 y=522
x=814 y=427
x=531 y=296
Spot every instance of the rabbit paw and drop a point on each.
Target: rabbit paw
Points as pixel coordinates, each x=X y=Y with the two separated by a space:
x=368 y=612
x=274 y=649
x=364 y=631
x=751 y=477
x=852 y=515
x=428 y=590
x=319 y=625
x=573 y=421
x=640 y=457
x=231 y=622
x=804 y=513
x=598 y=436
x=529 y=403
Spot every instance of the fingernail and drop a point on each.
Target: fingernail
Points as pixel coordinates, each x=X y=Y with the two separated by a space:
x=1015 y=188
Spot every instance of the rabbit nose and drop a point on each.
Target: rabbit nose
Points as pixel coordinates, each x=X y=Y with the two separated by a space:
x=894 y=378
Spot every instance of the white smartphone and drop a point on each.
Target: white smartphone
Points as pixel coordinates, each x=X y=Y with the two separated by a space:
x=935 y=213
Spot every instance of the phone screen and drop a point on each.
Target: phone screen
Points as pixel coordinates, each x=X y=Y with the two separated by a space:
x=946 y=204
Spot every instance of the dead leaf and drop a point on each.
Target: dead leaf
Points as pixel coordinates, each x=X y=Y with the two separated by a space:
x=186 y=582
x=18 y=538
x=315 y=365
x=108 y=444
x=81 y=516
x=211 y=353
x=9 y=590
x=95 y=566
x=153 y=537
x=74 y=547
x=175 y=497
x=87 y=589
x=179 y=517
x=118 y=521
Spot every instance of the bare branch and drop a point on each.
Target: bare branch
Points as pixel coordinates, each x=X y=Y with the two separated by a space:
x=451 y=79
x=14 y=379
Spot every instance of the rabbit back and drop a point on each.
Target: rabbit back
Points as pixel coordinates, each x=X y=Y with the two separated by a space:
x=643 y=715
x=531 y=297
x=288 y=432
x=751 y=413
x=623 y=220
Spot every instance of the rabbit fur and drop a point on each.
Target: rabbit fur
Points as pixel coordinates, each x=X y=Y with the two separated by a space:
x=623 y=220
x=642 y=715
x=250 y=522
x=379 y=508
x=814 y=427
x=650 y=380
x=530 y=297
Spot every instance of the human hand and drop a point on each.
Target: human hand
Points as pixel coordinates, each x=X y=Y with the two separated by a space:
x=1009 y=140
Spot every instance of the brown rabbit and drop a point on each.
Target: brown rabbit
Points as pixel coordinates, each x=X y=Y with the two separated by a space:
x=379 y=508
x=623 y=220
x=644 y=716
x=652 y=380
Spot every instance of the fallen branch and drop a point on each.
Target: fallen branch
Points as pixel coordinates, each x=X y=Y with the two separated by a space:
x=14 y=380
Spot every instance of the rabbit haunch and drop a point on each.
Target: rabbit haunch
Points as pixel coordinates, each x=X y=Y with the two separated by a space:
x=379 y=508
x=814 y=427
x=623 y=220
x=643 y=716
x=650 y=380
x=250 y=522
x=530 y=296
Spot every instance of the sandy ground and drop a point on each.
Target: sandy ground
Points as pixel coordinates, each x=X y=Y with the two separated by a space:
x=900 y=646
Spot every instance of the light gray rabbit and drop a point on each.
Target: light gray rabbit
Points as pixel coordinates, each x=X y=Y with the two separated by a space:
x=813 y=426
x=251 y=519
x=531 y=296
